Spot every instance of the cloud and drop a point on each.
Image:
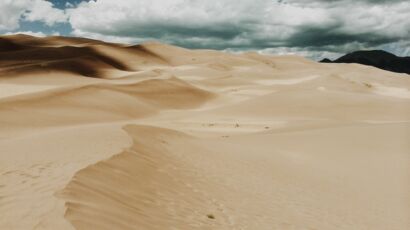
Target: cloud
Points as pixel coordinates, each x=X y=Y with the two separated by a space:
x=400 y=48
x=41 y=10
x=31 y=33
x=341 y=1
x=194 y=23
x=12 y=12
x=305 y=52
x=308 y=27
x=258 y=24
x=153 y=19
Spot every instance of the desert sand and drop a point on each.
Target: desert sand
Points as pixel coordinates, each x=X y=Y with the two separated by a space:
x=97 y=135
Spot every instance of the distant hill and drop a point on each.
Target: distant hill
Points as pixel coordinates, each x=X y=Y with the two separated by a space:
x=377 y=58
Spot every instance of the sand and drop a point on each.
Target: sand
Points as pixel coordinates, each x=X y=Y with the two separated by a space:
x=97 y=135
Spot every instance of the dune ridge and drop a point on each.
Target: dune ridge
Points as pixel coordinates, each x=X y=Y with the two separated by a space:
x=153 y=136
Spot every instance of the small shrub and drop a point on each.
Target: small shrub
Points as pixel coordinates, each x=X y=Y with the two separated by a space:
x=368 y=85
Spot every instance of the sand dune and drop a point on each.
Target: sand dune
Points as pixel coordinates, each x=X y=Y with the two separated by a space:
x=25 y=54
x=98 y=135
x=167 y=179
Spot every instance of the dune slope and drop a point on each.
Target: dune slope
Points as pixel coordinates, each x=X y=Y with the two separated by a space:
x=168 y=178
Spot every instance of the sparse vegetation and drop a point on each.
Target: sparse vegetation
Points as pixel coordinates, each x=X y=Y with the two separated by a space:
x=368 y=85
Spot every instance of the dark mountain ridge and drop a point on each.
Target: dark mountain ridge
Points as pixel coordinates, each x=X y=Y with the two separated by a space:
x=377 y=58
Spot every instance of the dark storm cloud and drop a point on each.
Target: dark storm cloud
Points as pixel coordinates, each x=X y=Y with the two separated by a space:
x=262 y=24
x=321 y=37
x=158 y=30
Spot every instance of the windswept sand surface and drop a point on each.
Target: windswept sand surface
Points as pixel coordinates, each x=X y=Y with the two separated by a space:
x=96 y=135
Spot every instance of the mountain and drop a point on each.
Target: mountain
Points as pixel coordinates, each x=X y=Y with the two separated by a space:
x=377 y=58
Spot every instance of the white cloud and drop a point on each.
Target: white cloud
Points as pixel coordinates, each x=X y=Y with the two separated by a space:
x=126 y=17
x=31 y=33
x=41 y=10
x=312 y=54
x=385 y=20
x=12 y=11
x=107 y=38
x=69 y=5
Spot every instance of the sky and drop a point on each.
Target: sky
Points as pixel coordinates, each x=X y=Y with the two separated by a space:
x=312 y=28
